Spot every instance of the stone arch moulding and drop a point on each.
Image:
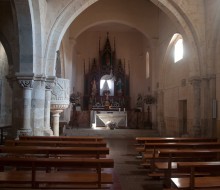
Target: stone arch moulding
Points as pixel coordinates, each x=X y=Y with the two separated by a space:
x=7 y=48
x=150 y=43
x=76 y=7
x=37 y=36
x=58 y=30
x=60 y=26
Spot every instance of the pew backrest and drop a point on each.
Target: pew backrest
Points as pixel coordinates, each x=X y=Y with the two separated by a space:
x=55 y=151
x=62 y=138
x=34 y=165
x=55 y=143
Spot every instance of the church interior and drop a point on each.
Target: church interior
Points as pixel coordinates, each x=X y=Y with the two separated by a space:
x=120 y=69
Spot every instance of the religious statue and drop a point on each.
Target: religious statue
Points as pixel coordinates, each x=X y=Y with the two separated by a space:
x=139 y=101
x=75 y=98
x=107 y=102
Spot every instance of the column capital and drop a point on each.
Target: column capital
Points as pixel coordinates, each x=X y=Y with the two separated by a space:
x=25 y=80
x=208 y=77
x=50 y=82
x=195 y=81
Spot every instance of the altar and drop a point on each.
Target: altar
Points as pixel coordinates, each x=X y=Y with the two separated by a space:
x=103 y=118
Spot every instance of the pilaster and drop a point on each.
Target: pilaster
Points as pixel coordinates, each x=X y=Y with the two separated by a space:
x=48 y=88
x=196 y=82
x=37 y=105
x=161 y=122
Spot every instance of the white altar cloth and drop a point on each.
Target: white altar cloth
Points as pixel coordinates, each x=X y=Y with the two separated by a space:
x=106 y=117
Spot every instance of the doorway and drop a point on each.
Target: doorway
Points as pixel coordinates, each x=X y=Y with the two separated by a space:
x=183 y=117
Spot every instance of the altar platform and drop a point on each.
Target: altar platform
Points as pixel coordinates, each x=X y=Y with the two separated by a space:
x=108 y=133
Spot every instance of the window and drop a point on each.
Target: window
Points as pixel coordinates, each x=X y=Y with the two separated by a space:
x=178 y=50
x=147 y=65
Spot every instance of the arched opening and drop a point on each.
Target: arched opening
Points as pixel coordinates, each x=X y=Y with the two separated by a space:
x=5 y=90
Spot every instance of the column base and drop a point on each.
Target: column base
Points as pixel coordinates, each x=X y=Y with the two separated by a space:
x=24 y=132
x=48 y=132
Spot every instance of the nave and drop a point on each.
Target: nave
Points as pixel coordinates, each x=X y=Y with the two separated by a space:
x=128 y=174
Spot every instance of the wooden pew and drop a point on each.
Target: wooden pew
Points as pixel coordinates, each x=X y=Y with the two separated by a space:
x=62 y=138
x=46 y=151
x=170 y=156
x=142 y=141
x=151 y=149
x=192 y=181
x=32 y=173
x=56 y=143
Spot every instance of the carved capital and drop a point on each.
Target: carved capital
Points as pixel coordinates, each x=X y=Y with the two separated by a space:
x=62 y=107
x=26 y=83
x=25 y=80
x=50 y=82
x=195 y=82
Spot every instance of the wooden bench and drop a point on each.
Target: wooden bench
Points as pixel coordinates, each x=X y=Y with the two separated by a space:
x=56 y=143
x=47 y=151
x=32 y=173
x=194 y=182
x=62 y=138
x=142 y=141
x=151 y=149
x=171 y=156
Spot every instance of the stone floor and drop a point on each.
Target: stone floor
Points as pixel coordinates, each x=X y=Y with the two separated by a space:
x=128 y=174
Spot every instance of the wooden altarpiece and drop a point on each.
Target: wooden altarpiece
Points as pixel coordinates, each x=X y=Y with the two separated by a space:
x=106 y=84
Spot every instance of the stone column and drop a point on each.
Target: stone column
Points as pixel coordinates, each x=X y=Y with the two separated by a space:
x=37 y=105
x=205 y=108
x=56 y=119
x=22 y=113
x=48 y=88
x=212 y=91
x=196 y=106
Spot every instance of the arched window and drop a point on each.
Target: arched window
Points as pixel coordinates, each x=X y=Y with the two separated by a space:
x=147 y=65
x=178 y=50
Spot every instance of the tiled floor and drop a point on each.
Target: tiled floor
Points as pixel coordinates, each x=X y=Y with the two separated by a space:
x=128 y=174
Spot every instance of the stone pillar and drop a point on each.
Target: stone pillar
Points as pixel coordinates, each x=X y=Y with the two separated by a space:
x=37 y=105
x=56 y=119
x=205 y=108
x=196 y=106
x=161 y=122
x=212 y=91
x=48 y=88
x=22 y=111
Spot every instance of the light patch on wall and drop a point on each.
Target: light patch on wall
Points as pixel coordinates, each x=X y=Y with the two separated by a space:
x=147 y=65
x=0 y=96
x=178 y=51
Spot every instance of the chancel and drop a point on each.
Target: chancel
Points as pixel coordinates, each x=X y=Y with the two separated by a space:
x=108 y=92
